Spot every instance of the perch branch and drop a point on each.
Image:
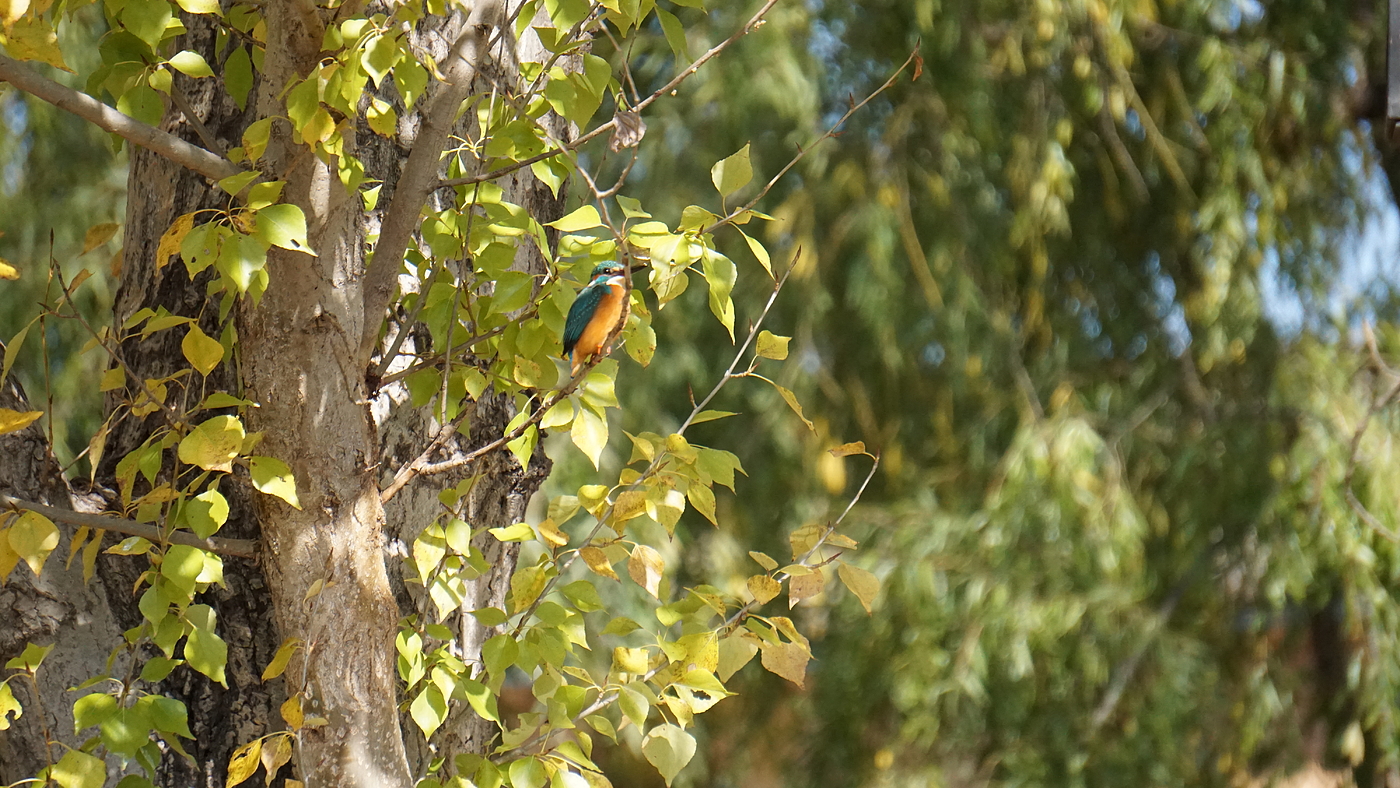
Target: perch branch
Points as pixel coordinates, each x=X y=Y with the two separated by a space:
x=242 y=548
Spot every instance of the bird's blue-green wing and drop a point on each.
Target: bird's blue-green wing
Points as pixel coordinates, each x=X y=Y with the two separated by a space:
x=581 y=312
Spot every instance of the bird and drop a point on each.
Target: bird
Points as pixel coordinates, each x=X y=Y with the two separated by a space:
x=597 y=315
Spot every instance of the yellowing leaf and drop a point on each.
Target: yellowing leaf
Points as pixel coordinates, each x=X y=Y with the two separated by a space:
x=244 y=761
x=8 y=271
x=732 y=174
x=32 y=38
x=735 y=652
x=14 y=421
x=277 y=749
x=847 y=449
x=99 y=234
x=597 y=560
x=791 y=400
x=645 y=566
x=33 y=536
x=764 y=588
x=200 y=6
x=171 y=239
x=764 y=560
x=282 y=225
x=632 y=503
x=772 y=346
x=281 y=658
x=213 y=444
x=669 y=749
x=703 y=499
x=201 y=350
x=788 y=660
x=273 y=477
x=802 y=587
x=861 y=583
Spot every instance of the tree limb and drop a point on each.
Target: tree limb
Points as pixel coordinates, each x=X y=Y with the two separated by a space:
x=242 y=548
x=420 y=172
x=104 y=117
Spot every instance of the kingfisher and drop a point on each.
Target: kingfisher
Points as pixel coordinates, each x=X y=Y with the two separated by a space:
x=597 y=315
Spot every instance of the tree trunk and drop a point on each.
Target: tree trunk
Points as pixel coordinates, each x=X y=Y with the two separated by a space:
x=297 y=358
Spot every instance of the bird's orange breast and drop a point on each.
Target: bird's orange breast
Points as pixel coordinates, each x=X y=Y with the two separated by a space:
x=605 y=321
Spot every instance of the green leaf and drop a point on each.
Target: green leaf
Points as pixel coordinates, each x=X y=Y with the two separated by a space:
x=527 y=773
x=733 y=173
x=584 y=595
x=255 y=138
x=181 y=565
x=205 y=651
x=235 y=184
x=675 y=37
x=206 y=513
x=146 y=19
x=202 y=351
x=282 y=225
x=157 y=668
x=584 y=218
x=703 y=499
x=77 y=769
x=127 y=730
x=429 y=709
x=238 y=75
x=94 y=709
x=213 y=444
x=33 y=537
x=519 y=532
x=169 y=715
x=498 y=654
x=8 y=706
x=720 y=275
x=191 y=64
x=590 y=434
x=241 y=257
x=272 y=477
x=772 y=346
x=669 y=748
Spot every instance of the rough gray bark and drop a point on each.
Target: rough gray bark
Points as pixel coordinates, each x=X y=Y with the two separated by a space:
x=298 y=359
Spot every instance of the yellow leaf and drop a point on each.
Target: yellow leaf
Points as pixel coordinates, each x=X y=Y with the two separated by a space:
x=764 y=560
x=171 y=239
x=281 y=658
x=632 y=503
x=764 y=588
x=213 y=444
x=8 y=271
x=9 y=559
x=804 y=587
x=772 y=346
x=10 y=10
x=99 y=234
x=791 y=400
x=861 y=583
x=645 y=566
x=14 y=421
x=201 y=350
x=33 y=536
x=278 y=749
x=244 y=761
x=788 y=660
x=292 y=715
x=847 y=449
x=597 y=560
x=32 y=38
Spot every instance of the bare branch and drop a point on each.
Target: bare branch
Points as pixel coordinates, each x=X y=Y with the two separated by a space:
x=193 y=157
x=242 y=548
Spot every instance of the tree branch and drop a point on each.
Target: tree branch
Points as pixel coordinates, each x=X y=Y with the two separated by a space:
x=420 y=172
x=242 y=548
x=193 y=157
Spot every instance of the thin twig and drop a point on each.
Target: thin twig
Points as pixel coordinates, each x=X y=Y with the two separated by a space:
x=802 y=152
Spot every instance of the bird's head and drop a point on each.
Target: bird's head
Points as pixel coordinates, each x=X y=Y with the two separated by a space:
x=607 y=270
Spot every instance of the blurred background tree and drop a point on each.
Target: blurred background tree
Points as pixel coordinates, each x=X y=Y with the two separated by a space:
x=1094 y=286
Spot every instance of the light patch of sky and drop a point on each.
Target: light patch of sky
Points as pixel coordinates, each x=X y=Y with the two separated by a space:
x=1370 y=259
